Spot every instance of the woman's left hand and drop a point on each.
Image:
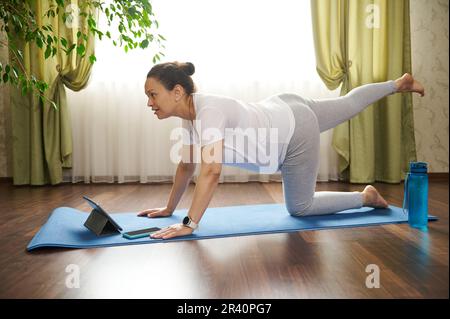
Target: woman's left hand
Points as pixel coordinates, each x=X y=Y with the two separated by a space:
x=174 y=230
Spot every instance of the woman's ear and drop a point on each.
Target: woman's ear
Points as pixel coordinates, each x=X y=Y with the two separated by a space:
x=179 y=92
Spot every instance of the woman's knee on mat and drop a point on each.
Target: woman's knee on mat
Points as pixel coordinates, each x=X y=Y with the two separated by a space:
x=299 y=210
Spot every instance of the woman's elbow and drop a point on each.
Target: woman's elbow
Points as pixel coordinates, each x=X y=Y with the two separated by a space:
x=213 y=170
x=190 y=167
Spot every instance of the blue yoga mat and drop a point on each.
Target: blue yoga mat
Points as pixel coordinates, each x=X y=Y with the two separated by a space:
x=64 y=227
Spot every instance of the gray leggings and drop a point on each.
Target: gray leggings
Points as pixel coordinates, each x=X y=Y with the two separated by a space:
x=301 y=165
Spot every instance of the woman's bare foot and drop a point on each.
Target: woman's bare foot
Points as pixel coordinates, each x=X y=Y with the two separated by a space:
x=372 y=198
x=407 y=84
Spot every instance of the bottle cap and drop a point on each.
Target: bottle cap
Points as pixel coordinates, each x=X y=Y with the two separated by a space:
x=418 y=167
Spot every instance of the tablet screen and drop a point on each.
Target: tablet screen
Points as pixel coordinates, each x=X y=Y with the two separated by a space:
x=99 y=209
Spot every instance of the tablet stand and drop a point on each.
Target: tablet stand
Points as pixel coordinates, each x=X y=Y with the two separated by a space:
x=100 y=224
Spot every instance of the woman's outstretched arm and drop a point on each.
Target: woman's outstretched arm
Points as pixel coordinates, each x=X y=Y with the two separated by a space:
x=207 y=181
x=183 y=175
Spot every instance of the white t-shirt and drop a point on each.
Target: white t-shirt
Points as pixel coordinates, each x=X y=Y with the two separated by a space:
x=255 y=135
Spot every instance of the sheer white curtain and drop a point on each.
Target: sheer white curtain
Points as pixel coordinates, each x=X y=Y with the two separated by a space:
x=244 y=49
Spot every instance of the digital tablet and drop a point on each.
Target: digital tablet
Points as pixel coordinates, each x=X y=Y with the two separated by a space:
x=101 y=211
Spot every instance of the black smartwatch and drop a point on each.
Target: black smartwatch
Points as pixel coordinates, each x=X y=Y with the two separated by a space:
x=187 y=221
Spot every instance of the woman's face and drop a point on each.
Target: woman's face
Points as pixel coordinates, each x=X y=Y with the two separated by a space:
x=162 y=101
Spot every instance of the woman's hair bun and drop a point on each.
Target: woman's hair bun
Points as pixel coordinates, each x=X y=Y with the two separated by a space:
x=187 y=68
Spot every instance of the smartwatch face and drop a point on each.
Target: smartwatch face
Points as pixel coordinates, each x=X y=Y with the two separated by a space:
x=186 y=220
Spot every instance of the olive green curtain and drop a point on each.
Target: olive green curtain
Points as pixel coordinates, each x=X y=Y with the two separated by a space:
x=359 y=42
x=42 y=136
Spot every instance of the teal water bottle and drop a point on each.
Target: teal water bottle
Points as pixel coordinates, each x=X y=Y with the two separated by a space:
x=415 y=200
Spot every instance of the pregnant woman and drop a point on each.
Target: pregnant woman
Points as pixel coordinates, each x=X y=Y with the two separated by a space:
x=282 y=133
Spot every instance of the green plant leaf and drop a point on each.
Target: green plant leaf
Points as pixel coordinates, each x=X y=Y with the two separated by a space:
x=39 y=42
x=144 y=44
x=91 y=22
x=48 y=51
x=28 y=36
x=81 y=49
x=71 y=48
x=15 y=73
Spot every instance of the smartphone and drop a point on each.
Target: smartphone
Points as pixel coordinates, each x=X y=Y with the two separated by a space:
x=140 y=233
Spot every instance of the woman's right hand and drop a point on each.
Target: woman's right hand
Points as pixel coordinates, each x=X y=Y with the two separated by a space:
x=156 y=212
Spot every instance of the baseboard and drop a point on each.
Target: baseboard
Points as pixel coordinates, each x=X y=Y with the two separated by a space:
x=6 y=180
x=432 y=177
x=438 y=177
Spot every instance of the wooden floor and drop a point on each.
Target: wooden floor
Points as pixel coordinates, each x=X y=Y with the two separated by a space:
x=308 y=264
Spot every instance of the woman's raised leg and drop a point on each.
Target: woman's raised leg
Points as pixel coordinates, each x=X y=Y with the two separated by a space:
x=331 y=112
